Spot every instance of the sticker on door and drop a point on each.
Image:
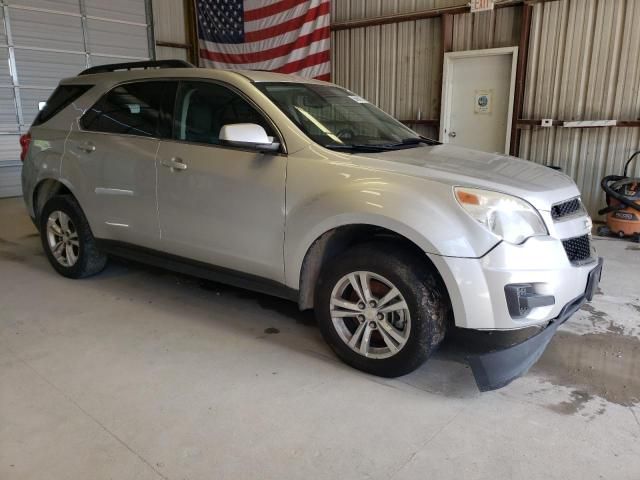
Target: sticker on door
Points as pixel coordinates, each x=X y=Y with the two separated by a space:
x=483 y=101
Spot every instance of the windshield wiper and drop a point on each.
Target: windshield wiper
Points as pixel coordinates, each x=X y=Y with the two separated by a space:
x=413 y=141
x=360 y=147
x=381 y=147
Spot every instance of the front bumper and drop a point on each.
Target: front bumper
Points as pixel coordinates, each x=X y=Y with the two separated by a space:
x=500 y=364
x=476 y=286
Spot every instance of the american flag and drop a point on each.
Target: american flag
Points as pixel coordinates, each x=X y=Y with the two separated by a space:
x=287 y=36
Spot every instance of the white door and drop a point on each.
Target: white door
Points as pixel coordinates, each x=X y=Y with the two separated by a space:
x=477 y=98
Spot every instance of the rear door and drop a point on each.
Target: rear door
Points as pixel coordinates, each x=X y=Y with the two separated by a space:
x=218 y=204
x=111 y=159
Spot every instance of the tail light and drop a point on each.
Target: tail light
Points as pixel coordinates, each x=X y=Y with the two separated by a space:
x=25 y=141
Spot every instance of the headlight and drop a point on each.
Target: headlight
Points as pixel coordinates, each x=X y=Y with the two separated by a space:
x=508 y=217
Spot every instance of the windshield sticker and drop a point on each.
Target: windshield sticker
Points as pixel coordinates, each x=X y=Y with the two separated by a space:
x=358 y=99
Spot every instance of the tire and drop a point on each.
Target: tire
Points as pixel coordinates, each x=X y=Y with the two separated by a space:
x=385 y=265
x=84 y=259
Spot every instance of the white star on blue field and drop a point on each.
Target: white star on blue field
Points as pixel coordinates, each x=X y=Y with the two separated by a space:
x=221 y=21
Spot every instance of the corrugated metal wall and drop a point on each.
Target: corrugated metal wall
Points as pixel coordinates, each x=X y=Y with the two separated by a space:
x=169 y=26
x=583 y=64
x=500 y=28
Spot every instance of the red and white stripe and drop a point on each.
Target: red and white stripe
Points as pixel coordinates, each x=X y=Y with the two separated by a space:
x=286 y=36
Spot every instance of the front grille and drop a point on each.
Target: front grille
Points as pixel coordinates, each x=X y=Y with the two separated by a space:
x=578 y=248
x=564 y=209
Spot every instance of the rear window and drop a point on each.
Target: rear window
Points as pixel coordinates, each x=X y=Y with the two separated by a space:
x=59 y=99
x=142 y=108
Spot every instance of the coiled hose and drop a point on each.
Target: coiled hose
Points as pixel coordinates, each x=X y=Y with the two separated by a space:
x=613 y=187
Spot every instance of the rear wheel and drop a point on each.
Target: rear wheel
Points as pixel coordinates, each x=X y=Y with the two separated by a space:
x=381 y=309
x=67 y=239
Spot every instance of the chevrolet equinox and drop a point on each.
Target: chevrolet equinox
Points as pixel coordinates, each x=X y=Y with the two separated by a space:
x=302 y=189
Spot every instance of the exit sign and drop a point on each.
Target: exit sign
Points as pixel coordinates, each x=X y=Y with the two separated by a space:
x=480 y=5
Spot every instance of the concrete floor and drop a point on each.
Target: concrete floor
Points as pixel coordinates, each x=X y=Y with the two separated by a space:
x=143 y=374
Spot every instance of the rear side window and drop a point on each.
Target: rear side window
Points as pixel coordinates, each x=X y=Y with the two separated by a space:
x=142 y=108
x=59 y=99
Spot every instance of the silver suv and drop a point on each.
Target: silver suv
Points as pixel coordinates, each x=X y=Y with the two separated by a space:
x=304 y=190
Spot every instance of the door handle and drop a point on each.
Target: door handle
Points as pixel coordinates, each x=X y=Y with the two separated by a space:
x=174 y=164
x=452 y=134
x=87 y=147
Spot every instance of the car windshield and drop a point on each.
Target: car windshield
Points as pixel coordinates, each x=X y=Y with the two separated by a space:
x=338 y=119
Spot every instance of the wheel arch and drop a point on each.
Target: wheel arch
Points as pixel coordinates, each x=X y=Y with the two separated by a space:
x=45 y=189
x=338 y=239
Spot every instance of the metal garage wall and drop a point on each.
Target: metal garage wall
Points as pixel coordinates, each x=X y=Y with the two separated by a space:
x=43 y=41
x=170 y=29
x=584 y=64
x=500 y=28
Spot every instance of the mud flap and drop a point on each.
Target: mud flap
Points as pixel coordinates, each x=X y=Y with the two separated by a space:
x=494 y=370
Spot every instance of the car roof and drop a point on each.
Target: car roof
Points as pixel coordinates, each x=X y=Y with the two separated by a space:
x=253 y=76
x=265 y=76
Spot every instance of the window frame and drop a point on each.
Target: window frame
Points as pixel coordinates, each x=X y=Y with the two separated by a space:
x=278 y=134
x=155 y=136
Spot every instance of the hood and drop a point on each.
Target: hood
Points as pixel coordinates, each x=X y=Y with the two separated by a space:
x=539 y=185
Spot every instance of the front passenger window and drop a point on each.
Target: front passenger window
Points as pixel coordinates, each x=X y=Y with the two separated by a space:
x=203 y=108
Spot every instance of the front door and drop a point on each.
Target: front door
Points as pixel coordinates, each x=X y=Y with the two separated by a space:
x=218 y=204
x=477 y=98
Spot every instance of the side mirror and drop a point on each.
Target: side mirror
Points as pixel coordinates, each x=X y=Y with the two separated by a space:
x=248 y=135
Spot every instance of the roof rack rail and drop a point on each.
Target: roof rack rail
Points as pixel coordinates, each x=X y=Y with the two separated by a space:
x=112 y=67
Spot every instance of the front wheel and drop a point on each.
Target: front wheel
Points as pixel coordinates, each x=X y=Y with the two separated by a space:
x=382 y=309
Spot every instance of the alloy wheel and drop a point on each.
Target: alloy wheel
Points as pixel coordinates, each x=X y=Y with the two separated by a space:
x=62 y=237
x=370 y=314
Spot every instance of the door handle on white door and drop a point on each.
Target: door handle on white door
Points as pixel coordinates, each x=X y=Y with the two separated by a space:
x=174 y=164
x=452 y=134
